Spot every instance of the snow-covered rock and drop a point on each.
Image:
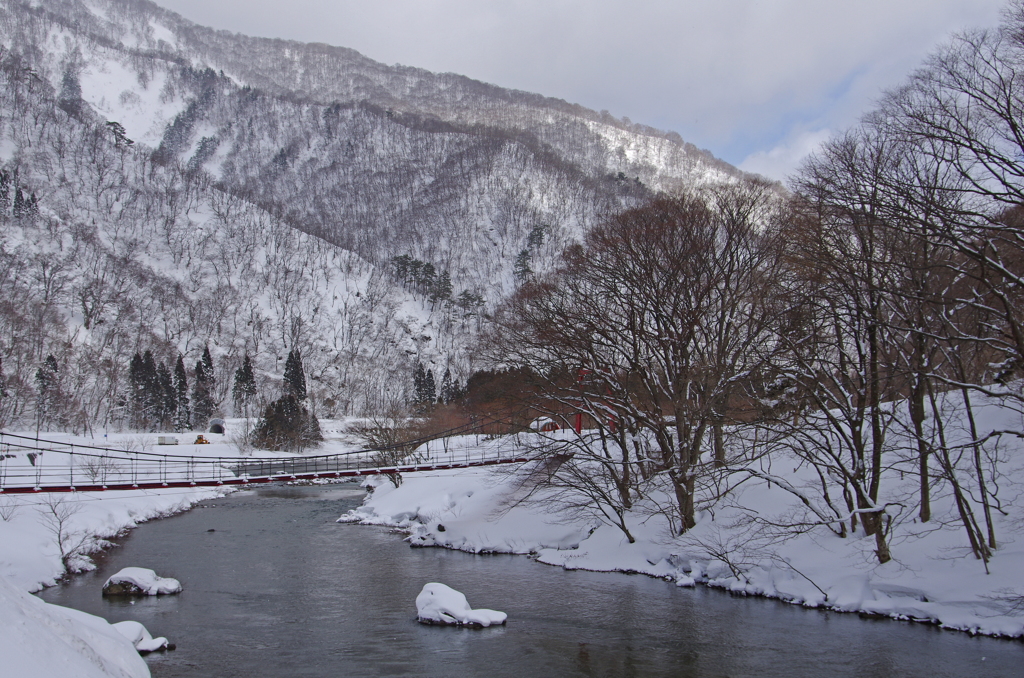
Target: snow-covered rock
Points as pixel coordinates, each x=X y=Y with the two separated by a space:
x=440 y=604
x=138 y=581
x=141 y=638
x=39 y=639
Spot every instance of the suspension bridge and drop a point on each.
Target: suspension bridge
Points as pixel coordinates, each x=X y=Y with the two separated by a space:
x=32 y=464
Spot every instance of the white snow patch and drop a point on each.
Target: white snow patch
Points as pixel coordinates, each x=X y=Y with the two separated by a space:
x=140 y=637
x=146 y=580
x=440 y=604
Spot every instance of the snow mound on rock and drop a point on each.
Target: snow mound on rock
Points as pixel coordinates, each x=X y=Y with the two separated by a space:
x=140 y=637
x=138 y=581
x=440 y=604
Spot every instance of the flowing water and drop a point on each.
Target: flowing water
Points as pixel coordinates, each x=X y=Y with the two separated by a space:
x=274 y=587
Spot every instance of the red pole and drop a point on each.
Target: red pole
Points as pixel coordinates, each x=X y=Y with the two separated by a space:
x=579 y=415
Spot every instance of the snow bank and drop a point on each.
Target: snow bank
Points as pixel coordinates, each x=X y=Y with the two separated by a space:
x=931 y=578
x=440 y=604
x=139 y=636
x=29 y=554
x=477 y=510
x=135 y=581
x=44 y=640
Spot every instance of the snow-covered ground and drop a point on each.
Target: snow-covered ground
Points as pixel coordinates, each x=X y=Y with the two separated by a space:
x=932 y=576
x=46 y=640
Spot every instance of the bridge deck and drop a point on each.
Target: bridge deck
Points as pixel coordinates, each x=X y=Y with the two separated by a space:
x=31 y=465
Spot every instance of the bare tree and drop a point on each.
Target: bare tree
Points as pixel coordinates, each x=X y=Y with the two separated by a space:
x=664 y=318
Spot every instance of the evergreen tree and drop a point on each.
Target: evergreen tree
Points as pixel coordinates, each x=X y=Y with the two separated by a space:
x=244 y=389
x=424 y=390
x=294 y=377
x=442 y=290
x=70 y=97
x=182 y=419
x=202 y=400
x=5 y=193
x=47 y=392
x=429 y=388
x=152 y=396
x=521 y=270
x=211 y=377
x=536 y=237
x=426 y=278
x=121 y=139
x=137 y=397
x=287 y=425
x=449 y=391
x=19 y=203
x=168 y=396
x=31 y=207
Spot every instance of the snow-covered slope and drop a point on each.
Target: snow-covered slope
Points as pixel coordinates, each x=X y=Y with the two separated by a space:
x=47 y=640
x=194 y=187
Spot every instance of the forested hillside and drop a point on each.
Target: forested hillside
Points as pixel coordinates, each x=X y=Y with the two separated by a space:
x=168 y=188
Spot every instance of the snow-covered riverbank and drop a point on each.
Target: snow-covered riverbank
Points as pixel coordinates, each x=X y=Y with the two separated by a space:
x=932 y=576
x=43 y=536
x=45 y=640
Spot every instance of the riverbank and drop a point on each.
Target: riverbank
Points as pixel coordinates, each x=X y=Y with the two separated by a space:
x=274 y=586
x=932 y=577
x=45 y=537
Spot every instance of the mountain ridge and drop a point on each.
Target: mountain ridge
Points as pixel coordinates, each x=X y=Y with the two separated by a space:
x=204 y=211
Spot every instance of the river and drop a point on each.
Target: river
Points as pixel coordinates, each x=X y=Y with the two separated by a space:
x=273 y=586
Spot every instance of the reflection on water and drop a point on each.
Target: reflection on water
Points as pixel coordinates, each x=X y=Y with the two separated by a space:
x=280 y=589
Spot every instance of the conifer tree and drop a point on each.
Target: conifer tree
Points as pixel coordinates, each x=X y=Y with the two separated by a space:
x=429 y=388
x=211 y=377
x=5 y=193
x=448 y=391
x=19 y=203
x=244 y=389
x=152 y=397
x=47 y=392
x=294 y=377
x=182 y=418
x=521 y=270
x=168 y=396
x=137 y=385
x=424 y=390
x=287 y=425
x=202 y=400
x=442 y=290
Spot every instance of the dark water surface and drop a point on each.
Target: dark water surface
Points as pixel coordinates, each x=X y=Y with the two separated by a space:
x=280 y=589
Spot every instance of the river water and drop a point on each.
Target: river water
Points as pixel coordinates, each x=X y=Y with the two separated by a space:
x=273 y=586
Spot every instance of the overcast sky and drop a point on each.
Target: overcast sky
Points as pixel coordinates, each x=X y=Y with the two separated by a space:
x=758 y=83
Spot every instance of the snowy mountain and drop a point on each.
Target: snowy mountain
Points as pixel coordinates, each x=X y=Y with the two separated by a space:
x=169 y=187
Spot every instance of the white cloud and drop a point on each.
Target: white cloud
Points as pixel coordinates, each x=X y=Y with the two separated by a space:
x=735 y=76
x=782 y=160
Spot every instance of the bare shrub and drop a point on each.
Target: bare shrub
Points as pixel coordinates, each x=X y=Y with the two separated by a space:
x=99 y=469
x=56 y=513
x=8 y=507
